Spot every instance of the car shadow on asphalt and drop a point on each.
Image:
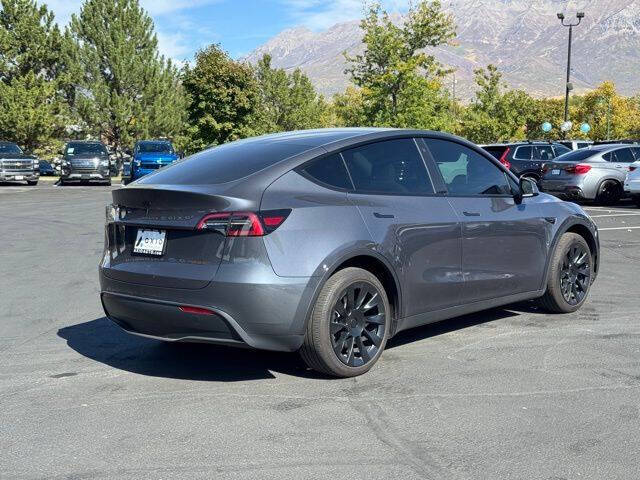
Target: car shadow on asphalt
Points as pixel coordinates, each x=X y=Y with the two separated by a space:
x=104 y=342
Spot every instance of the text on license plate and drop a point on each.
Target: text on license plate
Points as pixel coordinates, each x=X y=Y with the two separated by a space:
x=19 y=177
x=555 y=171
x=150 y=242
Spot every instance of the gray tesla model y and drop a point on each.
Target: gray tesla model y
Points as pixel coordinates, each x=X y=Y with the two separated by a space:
x=329 y=242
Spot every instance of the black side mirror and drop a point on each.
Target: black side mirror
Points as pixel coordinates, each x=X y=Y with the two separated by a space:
x=528 y=188
x=181 y=154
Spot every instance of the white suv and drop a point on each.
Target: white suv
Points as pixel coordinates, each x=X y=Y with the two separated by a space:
x=632 y=182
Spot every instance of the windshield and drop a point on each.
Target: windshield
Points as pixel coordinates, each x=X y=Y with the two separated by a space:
x=86 y=149
x=10 y=148
x=155 y=147
x=577 y=155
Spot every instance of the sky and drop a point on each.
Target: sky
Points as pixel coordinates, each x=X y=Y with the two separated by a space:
x=185 y=26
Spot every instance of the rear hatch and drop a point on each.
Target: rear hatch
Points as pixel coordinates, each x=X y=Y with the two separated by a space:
x=557 y=174
x=189 y=258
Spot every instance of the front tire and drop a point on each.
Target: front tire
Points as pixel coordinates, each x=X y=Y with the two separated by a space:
x=349 y=324
x=570 y=274
x=636 y=199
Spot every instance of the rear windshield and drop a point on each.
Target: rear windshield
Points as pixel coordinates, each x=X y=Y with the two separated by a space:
x=155 y=147
x=495 y=151
x=576 y=155
x=226 y=163
x=86 y=149
x=10 y=148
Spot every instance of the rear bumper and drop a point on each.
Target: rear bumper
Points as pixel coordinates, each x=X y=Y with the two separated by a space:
x=566 y=192
x=632 y=187
x=268 y=314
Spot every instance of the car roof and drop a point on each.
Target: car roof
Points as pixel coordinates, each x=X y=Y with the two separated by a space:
x=86 y=141
x=4 y=142
x=160 y=140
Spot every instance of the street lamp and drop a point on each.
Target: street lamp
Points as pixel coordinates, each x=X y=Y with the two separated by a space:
x=569 y=86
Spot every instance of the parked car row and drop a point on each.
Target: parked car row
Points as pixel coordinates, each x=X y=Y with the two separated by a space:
x=589 y=172
x=86 y=161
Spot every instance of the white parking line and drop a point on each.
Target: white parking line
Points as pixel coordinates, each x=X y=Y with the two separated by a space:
x=617 y=228
x=616 y=215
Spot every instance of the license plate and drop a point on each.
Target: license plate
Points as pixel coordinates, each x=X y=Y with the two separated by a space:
x=150 y=242
x=555 y=171
x=19 y=177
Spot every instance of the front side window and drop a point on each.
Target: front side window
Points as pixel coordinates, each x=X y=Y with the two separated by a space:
x=329 y=171
x=543 y=152
x=388 y=167
x=466 y=172
x=561 y=150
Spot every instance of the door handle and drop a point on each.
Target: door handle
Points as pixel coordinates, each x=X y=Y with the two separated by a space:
x=382 y=215
x=471 y=214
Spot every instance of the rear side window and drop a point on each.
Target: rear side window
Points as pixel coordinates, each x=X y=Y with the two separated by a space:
x=624 y=155
x=226 y=163
x=496 y=152
x=582 y=145
x=523 y=153
x=329 y=171
x=389 y=167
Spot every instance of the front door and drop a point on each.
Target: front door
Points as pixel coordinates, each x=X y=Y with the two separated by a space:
x=503 y=243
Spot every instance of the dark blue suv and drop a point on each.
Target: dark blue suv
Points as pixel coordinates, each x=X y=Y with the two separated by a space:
x=150 y=155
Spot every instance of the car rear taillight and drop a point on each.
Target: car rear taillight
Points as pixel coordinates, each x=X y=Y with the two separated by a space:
x=243 y=224
x=579 y=169
x=631 y=169
x=503 y=158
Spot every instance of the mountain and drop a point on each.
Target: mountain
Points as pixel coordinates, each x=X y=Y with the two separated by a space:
x=523 y=38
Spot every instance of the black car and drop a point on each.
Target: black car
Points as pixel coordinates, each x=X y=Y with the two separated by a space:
x=17 y=166
x=46 y=169
x=85 y=161
x=525 y=159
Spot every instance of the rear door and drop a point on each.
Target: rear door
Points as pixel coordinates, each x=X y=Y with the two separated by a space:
x=618 y=162
x=414 y=226
x=503 y=243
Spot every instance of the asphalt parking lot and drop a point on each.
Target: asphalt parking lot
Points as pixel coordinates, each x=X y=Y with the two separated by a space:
x=509 y=393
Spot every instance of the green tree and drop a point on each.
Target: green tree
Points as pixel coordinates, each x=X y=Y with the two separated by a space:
x=127 y=90
x=401 y=84
x=34 y=76
x=289 y=101
x=496 y=113
x=224 y=99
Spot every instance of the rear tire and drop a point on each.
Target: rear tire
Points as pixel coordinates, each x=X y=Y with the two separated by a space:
x=609 y=193
x=569 y=277
x=32 y=183
x=636 y=199
x=349 y=324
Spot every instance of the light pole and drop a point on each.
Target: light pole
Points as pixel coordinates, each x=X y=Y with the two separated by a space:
x=569 y=86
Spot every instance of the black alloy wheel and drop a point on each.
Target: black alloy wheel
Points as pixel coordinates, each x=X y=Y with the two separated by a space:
x=358 y=322
x=609 y=192
x=349 y=325
x=575 y=276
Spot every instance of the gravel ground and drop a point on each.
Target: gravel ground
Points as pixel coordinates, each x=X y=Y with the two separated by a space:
x=509 y=393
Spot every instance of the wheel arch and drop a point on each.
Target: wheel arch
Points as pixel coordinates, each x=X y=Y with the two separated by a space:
x=583 y=227
x=375 y=263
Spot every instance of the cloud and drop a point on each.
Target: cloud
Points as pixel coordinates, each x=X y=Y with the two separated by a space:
x=322 y=14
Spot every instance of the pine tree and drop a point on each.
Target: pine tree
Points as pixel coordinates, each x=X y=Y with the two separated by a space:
x=127 y=91
x=34 y=76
